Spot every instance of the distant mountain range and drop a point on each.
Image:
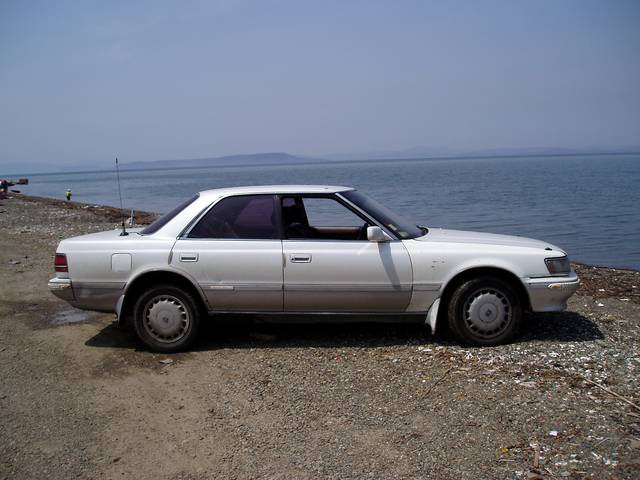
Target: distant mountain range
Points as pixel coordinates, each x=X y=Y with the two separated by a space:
x=252 y=159
x=283 y=158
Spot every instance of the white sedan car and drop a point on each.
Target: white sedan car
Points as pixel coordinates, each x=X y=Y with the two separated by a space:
x=310 y=251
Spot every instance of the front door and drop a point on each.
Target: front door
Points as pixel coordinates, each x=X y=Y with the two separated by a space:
x=235 y=253
x=330 y=266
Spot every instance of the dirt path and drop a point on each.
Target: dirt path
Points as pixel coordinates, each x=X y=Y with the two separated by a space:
x=79 y=398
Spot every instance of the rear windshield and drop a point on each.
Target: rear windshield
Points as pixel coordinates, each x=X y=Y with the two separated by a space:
x=166 y=218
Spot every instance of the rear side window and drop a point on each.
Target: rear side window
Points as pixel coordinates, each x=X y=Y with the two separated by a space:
x=167 y=217
x=248 y=217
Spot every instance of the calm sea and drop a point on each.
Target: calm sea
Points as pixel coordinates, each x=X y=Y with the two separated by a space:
x=588 y=205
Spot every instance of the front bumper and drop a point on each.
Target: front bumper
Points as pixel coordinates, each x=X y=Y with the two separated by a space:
x=550 y=294
x=61 y=288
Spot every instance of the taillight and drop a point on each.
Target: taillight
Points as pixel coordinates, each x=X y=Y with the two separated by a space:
x=60 y=263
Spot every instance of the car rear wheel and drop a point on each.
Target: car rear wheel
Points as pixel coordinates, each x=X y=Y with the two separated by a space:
x=166 y=318
x=484 y=311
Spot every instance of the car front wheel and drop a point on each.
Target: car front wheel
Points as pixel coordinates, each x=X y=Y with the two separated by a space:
x=484 y=311
x=166 y=318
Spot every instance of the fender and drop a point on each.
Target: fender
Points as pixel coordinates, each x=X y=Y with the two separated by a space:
x=164 y=269
x=494 y=263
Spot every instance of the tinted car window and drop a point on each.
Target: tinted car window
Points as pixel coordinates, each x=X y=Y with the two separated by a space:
x=167 y=217
x=249 y=217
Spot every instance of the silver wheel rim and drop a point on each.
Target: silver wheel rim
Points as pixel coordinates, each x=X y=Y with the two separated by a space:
x=487 y=313
x=166 y=318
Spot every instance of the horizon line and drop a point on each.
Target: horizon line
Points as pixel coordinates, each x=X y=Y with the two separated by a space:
x=322 y=161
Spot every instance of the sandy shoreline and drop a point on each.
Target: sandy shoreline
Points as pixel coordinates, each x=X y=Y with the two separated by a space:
x=80 y=398
x=105 y=212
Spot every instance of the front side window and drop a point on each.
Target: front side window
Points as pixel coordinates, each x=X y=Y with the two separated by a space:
x=321 y=218
x=402 y=227
x=244 y=217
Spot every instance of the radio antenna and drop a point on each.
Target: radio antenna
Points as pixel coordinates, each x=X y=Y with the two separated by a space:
x=124 y=230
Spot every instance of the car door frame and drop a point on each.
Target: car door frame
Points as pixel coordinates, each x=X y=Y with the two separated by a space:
x=209 y=288
x=333 y=196
x=365 y=217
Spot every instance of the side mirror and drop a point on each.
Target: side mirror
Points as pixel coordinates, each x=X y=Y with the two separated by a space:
x=376 y=234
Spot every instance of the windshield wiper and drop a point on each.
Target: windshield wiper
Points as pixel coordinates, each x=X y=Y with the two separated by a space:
x=424 y=229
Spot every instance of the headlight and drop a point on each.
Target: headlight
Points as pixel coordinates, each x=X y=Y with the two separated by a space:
x=558 y=265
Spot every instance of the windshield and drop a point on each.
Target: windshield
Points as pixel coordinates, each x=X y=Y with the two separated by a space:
x=401 y=227
x=163 y=220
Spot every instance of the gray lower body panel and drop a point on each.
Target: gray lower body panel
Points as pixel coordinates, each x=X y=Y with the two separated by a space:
x=243 y=296
x=346 y=298
x=97 y=296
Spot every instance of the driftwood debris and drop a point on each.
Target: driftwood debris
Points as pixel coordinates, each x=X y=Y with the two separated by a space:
x=611 y=392
x=434 y=384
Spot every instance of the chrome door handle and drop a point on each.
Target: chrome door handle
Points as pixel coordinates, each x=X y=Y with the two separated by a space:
x=300 y=258
x=188 y=257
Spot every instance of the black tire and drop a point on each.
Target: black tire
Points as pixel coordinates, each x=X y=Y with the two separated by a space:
x=176 y=321
x=484 y=312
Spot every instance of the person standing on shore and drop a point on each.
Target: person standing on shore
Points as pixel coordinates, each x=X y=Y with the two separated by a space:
x=68 y=194
x=4 y=188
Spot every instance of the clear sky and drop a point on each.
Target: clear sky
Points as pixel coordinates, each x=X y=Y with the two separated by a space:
x=83 y=81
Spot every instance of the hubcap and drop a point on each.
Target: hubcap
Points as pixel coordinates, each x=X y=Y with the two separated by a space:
x=487 y=313
x=166 y=318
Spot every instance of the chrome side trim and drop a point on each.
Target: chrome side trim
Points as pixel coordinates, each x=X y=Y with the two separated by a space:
x=311 y=287
x=345 y=288
x=100 y=285
x=245 y=287
x=418 y=316
x=426 y=286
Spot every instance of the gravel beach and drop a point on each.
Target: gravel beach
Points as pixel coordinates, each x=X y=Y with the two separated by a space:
x=81 y=398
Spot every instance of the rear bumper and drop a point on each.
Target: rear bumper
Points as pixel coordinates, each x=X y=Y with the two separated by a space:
x=97 y=296
x=550 y=294
x=62 y=288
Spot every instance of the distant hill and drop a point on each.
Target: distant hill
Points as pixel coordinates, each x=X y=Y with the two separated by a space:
x=283 y=158
x=17 y=168
x=252 y=159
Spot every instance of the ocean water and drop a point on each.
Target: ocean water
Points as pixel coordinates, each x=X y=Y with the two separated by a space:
x=588 y=205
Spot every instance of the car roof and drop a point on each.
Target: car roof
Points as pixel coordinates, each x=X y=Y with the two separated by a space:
x=265 y=189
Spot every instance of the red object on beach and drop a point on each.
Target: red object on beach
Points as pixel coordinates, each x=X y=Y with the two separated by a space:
x=60 y=263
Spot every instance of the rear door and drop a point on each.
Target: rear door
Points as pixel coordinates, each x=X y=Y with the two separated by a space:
x=235 y=253
x=330 y=266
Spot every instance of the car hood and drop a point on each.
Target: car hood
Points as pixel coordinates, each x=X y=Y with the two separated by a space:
x=462 y=236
